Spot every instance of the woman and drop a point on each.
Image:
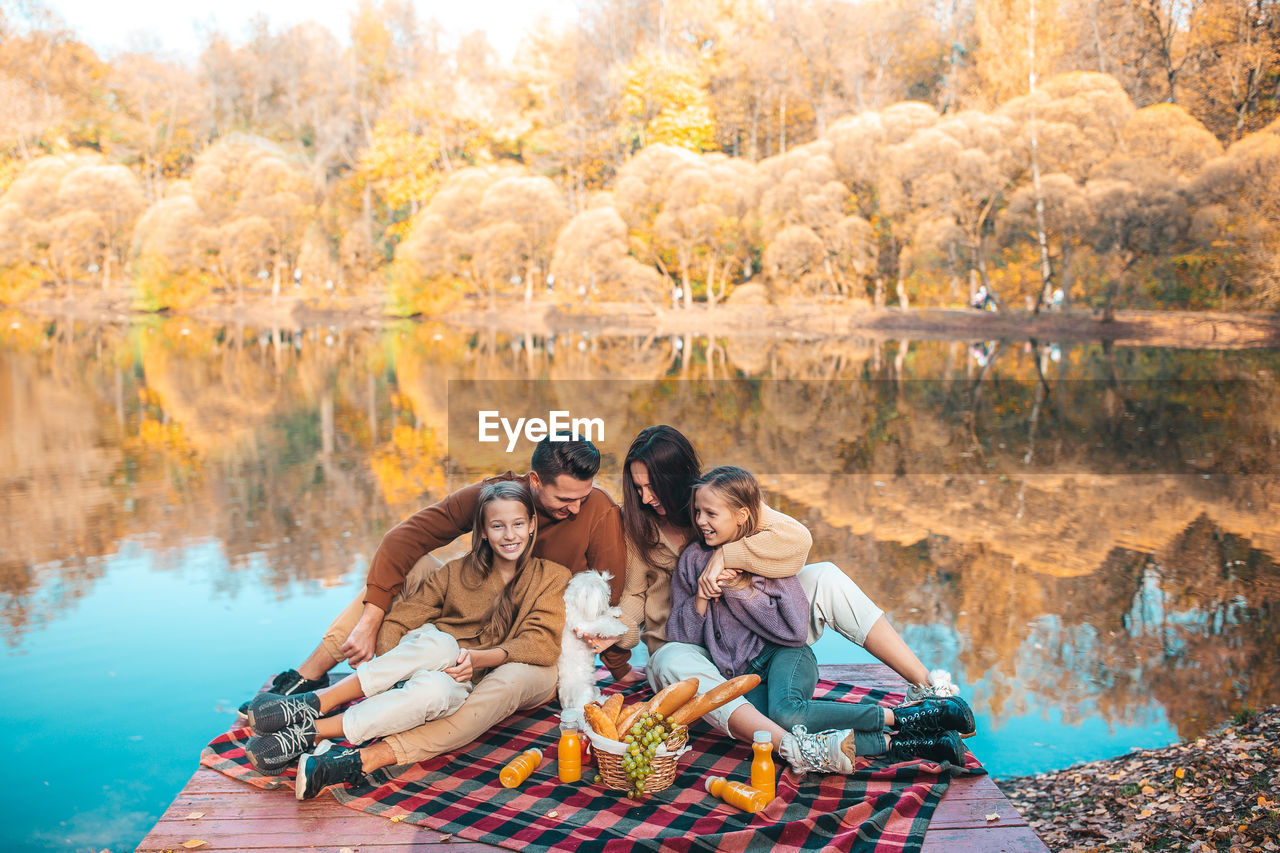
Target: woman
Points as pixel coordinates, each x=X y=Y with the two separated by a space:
x=496 y=608
x=659 y=472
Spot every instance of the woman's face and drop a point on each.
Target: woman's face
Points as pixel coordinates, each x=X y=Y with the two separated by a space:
x=508 y=527
x=640 y=478
x=715 y=519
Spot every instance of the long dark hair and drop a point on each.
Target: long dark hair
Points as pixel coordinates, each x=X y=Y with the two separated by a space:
x=673 y=467
x=480 y=561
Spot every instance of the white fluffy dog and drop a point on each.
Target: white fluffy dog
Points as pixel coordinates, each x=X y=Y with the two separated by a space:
x=586 y=612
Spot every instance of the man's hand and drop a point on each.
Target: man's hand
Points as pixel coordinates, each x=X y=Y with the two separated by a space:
x=360 y=643
x=460 y=671
x=714 y=575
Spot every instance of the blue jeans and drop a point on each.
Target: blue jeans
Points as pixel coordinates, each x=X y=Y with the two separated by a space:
x=785 y=694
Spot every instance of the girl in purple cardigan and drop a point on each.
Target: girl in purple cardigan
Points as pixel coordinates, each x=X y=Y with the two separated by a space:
x=758 y=624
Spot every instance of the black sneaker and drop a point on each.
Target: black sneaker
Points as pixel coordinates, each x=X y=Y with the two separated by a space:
x=937 y=747
x=271 y=754
x=290 y=682
x=268 y=712
x=935 y=714
x=325 y=767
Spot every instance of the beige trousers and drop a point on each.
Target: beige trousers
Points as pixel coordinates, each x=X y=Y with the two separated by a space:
x=428 y=693
x=509 y=688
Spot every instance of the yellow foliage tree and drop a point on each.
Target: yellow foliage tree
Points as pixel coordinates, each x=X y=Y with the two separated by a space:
x=665 y=102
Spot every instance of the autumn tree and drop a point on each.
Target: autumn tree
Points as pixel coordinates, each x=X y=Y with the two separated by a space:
x=1233 y=65
x=68 y=218
x=1242 y=188
x=592 y=262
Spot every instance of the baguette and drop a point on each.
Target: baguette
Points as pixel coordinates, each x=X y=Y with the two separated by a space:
x=713 y=698
x=599 y=720
x=629 y=715
x=613 y=707
x=673 y=696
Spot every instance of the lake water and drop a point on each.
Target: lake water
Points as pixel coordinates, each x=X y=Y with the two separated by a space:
x=1084 y=535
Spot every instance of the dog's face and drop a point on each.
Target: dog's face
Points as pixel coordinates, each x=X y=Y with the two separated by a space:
x=587 y=598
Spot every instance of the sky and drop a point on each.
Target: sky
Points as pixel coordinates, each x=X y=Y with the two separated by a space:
x=173 y=28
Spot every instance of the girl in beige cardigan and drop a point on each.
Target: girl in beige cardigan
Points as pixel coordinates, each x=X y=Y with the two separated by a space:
x=498 y=605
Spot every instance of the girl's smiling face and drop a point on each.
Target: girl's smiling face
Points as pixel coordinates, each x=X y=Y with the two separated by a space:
x=507 y=527
x=715 y=519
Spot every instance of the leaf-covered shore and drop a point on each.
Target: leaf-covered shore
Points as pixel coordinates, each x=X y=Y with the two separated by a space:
x=1220 y=792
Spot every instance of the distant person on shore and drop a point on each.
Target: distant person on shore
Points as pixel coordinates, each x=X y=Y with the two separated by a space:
x=578 y=527
x=491 y=619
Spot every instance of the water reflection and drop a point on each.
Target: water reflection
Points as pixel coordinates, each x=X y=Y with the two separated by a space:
x=976 y=498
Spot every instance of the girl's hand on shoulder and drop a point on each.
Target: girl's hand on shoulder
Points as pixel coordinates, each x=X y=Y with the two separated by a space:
x=460 y=671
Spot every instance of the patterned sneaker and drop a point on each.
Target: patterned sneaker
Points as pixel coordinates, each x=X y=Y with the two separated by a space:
x=820 y=752
x=938 y=747
x=290 y=682
x=939 y=685
x=272 y=753
x=932 y=714
x=268 y=712
x=325 y=767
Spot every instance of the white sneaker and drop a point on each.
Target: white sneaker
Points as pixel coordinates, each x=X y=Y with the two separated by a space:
x=939 y=685
x=819 y=752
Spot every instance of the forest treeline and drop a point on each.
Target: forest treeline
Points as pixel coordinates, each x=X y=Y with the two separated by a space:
x=885 y=152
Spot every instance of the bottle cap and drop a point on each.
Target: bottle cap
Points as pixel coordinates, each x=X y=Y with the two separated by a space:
x=762 y=735
x=535 y=751
x=711 y=780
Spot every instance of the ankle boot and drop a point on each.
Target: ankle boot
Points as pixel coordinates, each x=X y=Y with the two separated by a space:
x=937 y=747
x=325 y=767
x=935 y=714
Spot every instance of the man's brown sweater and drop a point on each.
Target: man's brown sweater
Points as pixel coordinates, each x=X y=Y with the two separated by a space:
x=590 y=540
x=458 y=602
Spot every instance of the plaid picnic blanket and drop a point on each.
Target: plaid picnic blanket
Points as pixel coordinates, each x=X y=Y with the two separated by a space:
x=879 y=807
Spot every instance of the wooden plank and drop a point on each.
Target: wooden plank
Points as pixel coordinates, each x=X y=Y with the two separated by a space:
x=238 y=816
x=997 y=839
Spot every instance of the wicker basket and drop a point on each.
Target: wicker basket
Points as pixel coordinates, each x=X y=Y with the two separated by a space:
x=662 y=766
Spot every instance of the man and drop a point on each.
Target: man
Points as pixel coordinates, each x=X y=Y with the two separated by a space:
x=579 y=526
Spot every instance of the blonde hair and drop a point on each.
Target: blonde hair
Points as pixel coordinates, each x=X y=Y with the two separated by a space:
x=739 y=490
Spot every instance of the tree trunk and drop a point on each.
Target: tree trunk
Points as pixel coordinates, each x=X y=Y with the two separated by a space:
x=1046 y=273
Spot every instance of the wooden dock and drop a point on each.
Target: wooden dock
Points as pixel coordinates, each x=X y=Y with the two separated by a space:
x=236 y=816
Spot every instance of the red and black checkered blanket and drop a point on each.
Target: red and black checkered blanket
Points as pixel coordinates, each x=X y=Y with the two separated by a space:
x=879 y=807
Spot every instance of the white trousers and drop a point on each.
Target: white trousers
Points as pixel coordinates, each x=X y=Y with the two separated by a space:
x=428 y=693
x=835 y=601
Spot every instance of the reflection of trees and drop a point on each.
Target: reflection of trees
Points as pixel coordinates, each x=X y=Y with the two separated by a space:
x=295 y=449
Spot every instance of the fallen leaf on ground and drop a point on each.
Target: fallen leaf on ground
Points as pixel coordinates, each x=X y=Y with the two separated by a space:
x=194 y=843
x=194 y=816
x=553 y=813
x=993 y=816
x=397 y=818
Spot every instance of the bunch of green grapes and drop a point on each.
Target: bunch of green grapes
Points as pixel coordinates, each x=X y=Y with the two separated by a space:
x=642 y=740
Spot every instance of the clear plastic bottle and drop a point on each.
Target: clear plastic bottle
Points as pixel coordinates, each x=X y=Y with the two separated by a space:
x=764 y=777
x=519 y=768
x=737 y=794
x=569 y=752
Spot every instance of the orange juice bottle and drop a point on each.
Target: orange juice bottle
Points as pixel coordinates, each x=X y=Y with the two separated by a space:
x=737 y=794
x=569 y=753
x=763 y=776
x=519 y=768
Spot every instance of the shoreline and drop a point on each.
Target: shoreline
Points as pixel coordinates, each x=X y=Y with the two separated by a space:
x=1218 y=792
x=803 y=321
